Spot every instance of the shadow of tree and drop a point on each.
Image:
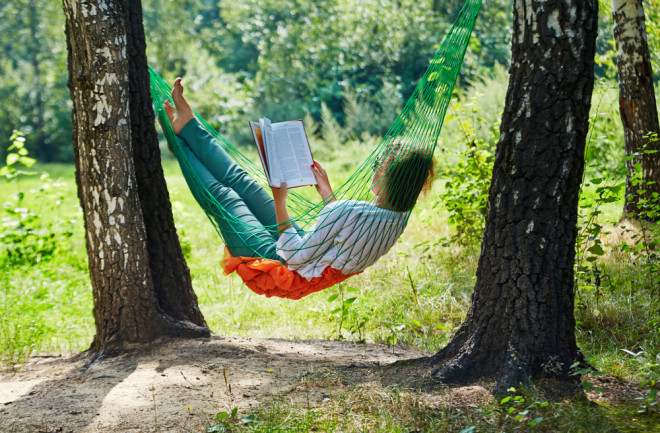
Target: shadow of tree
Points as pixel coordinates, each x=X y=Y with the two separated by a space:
x=173 y=384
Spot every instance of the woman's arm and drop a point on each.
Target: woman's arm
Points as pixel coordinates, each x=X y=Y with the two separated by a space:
x=323 y=186
x=299 y=250
x=281 y=214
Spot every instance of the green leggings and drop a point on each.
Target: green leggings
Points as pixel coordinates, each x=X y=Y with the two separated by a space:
x=247 y=212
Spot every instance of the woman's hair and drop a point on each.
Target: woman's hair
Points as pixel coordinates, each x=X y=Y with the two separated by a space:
x=408 y=173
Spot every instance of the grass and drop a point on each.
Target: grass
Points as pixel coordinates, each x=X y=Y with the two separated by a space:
x=326 y=402
x=416 y=296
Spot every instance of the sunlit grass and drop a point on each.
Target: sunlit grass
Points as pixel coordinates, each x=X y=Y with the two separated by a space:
x=415 y=296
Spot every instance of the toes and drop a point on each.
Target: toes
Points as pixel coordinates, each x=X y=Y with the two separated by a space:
x=170 y=111
x=178 y=85
x=169 y=108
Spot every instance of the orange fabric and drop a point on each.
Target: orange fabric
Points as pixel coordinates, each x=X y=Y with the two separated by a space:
x=272 y=278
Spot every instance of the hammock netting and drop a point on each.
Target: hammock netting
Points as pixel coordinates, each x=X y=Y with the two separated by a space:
x=417 y=128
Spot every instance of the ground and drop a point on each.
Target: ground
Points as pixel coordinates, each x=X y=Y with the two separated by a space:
x=182 y=385
x=172 y=385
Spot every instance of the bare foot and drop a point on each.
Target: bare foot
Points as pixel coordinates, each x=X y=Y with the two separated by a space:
x=183 y=113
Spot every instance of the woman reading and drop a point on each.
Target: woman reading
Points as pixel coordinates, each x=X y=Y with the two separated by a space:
x=349 y=235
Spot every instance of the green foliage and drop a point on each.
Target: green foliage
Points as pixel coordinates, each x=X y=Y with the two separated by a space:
x=21 y=328
x=467 y=179
x=251 y=58
x=414 y=297
x=652 y=11
x=34 y=76
x=333 y=135
x=343 y=313
x=23 y=237
x=354 y=408
x=515 y=408
x=616 y=272
x=490 y=44
x=605 y=150
x=374 y=117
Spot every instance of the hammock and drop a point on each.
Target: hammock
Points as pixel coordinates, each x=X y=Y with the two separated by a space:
x=416 y=128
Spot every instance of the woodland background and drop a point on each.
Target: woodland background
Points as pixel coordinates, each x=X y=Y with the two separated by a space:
x=346 y=67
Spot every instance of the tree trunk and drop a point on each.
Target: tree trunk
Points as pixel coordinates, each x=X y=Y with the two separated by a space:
x=126 y=305
x=520 y=326
x=170 y=273
x=639 y=112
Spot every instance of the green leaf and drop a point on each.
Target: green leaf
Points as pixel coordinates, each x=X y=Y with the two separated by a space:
x=349 y=301
x=249 y=418
x=12 y=158
x=596 y=250
x=333 y=297
x=336 y=311
x=27 y=161
x=505 y=400
x=587 y=386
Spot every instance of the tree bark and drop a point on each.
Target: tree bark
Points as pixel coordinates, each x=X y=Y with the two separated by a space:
x=170 y=273
x=520 y=326
x=638 y=109
x=126 y=305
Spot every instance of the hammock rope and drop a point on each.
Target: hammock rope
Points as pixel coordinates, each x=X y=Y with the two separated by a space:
x=417 y=128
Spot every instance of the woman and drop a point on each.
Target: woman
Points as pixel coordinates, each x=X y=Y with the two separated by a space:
x=348 y=236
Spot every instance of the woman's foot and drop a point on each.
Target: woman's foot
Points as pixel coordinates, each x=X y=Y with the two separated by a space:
x=183 y=113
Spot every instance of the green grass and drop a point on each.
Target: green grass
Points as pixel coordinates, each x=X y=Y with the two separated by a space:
x=416 y=296
x=354 y=408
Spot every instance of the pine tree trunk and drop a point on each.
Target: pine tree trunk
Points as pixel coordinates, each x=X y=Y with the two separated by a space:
x=126 y=307
x=639 y=112
x=520 y=326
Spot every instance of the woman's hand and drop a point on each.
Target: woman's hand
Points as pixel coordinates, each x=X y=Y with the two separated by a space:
x=323 y=186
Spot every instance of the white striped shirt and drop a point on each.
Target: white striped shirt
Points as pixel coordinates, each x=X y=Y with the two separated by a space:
x=349 y=236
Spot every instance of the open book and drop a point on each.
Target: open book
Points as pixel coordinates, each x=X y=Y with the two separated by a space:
x=284 y=152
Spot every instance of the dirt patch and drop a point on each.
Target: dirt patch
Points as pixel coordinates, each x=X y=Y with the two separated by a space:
x=175 y=385
x=179 y=386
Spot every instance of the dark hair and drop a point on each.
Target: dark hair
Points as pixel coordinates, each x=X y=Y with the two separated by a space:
x=407 y=175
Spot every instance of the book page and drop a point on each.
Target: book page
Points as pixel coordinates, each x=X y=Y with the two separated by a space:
x=294 y=156
x=255 y=127
x=275 y=178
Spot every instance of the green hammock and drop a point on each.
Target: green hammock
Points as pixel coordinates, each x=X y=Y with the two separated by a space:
x=417 y=127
